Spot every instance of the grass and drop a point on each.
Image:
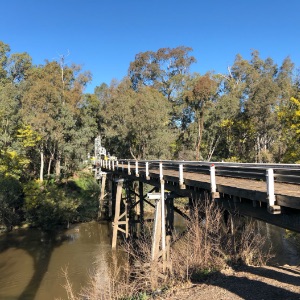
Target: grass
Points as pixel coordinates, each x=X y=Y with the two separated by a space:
x=209 y=245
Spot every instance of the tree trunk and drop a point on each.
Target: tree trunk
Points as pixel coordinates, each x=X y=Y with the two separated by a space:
x=212 y=148
x=57 y=166
x=200 y=131
x=130 y=149
x=42 y=166
x=50 y=163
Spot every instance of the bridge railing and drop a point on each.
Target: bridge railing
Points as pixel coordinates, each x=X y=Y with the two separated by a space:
x=269 y=173
x=285 y=173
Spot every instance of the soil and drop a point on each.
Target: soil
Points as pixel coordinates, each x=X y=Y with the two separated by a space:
x=246 y=282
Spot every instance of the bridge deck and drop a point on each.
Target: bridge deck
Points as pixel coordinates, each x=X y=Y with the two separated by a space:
x=246 y=190
x=286 y=194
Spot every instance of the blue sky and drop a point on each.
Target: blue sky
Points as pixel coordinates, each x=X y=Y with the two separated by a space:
x=105 y=36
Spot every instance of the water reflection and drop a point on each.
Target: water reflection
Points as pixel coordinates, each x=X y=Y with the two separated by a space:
x=31 y=261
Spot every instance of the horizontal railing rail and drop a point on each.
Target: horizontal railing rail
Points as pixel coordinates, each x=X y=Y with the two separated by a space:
x=285 y=173
x=269 y=173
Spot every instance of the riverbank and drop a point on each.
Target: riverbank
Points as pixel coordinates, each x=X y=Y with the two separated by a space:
x=244 y=282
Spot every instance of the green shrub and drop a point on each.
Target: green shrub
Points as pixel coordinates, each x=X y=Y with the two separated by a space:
x=49 y=204
x=11 y=199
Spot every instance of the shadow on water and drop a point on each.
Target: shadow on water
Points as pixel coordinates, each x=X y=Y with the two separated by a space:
x=39 y=246
x=32 y=261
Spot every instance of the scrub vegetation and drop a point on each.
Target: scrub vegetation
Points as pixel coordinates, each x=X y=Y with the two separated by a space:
x=210 y=244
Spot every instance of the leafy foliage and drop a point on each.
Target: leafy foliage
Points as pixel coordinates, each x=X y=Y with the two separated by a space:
x=48 y=205
x=160 y=111
x=290 y=118
x=11 y=199
x=137 y=121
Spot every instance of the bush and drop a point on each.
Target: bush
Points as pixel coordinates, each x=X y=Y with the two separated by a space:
x=49 y=204
x=11 y=199
x=88 y=195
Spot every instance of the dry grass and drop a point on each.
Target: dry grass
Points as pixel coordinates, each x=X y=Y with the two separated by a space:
x=209 y=244
x=200 y=250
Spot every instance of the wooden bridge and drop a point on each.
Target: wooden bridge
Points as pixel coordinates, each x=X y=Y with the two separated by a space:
x=268 y=192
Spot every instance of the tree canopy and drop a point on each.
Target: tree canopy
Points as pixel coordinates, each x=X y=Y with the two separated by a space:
x=159 y=111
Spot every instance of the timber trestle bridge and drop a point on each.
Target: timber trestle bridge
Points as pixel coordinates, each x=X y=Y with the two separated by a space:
x=268 y=192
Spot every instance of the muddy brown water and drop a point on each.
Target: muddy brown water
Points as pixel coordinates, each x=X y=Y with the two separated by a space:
x=32 y=262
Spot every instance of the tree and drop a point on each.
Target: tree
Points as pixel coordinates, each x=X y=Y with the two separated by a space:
x=12 y=83
x=51 y=105
x=198 y=96
x=101 y=91
x=18 y=67
x=290 y=119
x=136 y=122
x=164 y=69
x=260 y=87
x=4 y=50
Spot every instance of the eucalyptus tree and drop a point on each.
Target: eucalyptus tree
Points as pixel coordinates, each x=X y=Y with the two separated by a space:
x=164 y=69
x=87 y=127
x=199 y=94
x=136 y=122
x=13 y=160
x=14 y=68
x=4 y=51
x=221 y=118
x=290 y=119
x=50 y=106
x=261 y=90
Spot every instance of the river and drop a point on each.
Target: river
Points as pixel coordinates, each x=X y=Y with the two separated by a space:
x=32 y=262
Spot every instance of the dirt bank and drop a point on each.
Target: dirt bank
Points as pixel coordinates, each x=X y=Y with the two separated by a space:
x=281 y=282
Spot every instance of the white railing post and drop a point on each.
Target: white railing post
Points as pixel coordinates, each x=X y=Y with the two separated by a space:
x=161 y=176
x=101 y=163
x=213 y=185
x=272 y=208
x=122 y=166
x=113 y=165
x=270 y=187
x=163 y=219
x=136 y=168
x=117 y=165
x=129 y=172
x=181 y=184
x=147 y=171
x=106 y=164
x=109 y=165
